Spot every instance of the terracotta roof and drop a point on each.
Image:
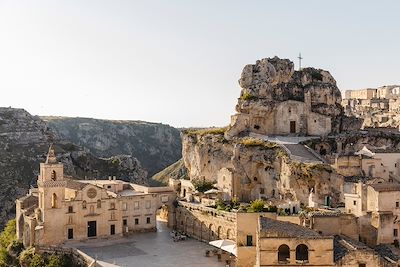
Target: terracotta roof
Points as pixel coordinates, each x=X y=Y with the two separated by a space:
x=385 y=187
x=274 y=228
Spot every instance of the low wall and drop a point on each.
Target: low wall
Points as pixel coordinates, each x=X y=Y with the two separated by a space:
x=205 y=224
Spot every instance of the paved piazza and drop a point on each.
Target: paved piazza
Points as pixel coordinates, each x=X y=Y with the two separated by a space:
x=149 y=249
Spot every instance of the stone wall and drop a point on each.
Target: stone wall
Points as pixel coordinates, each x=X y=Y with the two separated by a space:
x=205 y=224
x=342 y=224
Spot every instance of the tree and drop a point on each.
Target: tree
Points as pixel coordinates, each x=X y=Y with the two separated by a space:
x=37 y=261
x=8 y=235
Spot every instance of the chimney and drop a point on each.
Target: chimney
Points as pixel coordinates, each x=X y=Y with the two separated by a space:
x=109 y=178
x=114 y=178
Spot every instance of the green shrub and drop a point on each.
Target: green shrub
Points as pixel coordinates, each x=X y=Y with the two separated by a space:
x=256 y=206
x=26 y=257
x=5 y=258
x=8 y=235
x=15 y=248
x=202 y=185
x=247 y=96
x=37 y=261
x=272 y=209
x=54 y=261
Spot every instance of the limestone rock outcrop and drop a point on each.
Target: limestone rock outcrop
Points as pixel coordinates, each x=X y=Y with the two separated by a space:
x=271 y=85
x=263 y=169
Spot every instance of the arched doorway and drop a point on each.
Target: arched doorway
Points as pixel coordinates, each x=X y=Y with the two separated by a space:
x=163 y=218
x=211 y=232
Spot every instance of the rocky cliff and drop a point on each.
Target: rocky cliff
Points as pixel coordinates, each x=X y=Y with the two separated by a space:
x=24 y=142
x=155 y=145
x=261 y=167
x=271 y=81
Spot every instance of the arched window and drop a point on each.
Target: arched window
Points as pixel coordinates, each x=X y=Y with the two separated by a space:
x=302 y=252
x=54 y=201
x=219 y=232
x=283 y=253
x=98 y=203
x=53 y=175
x=91 y=209
x=84 y=204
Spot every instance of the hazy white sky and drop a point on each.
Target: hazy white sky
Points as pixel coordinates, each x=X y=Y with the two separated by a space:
x=178 y=62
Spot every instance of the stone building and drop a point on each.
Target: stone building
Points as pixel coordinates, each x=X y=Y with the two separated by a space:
x=61 y=209
x=368 y=93
x=366 y=163
x=287 y=244
x=377 y=207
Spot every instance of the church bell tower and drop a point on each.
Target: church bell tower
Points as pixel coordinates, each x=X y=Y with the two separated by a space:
x=51 y=184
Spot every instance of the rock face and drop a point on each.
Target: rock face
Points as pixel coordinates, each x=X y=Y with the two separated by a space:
x=271 y=85
x=264 y=169
x=24 y=142
x=155 y=145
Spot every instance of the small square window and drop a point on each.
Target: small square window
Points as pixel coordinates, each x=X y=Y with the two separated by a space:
x=362 y=265
x=148 y=220
x=148 y=204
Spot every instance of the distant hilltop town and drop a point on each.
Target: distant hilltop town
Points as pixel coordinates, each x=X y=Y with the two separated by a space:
x=378 y=107
x=294 y=179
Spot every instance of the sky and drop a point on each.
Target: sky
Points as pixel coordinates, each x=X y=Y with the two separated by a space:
x=178 y=61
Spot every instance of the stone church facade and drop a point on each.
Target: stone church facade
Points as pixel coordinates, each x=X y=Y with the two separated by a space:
x=61 y=209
